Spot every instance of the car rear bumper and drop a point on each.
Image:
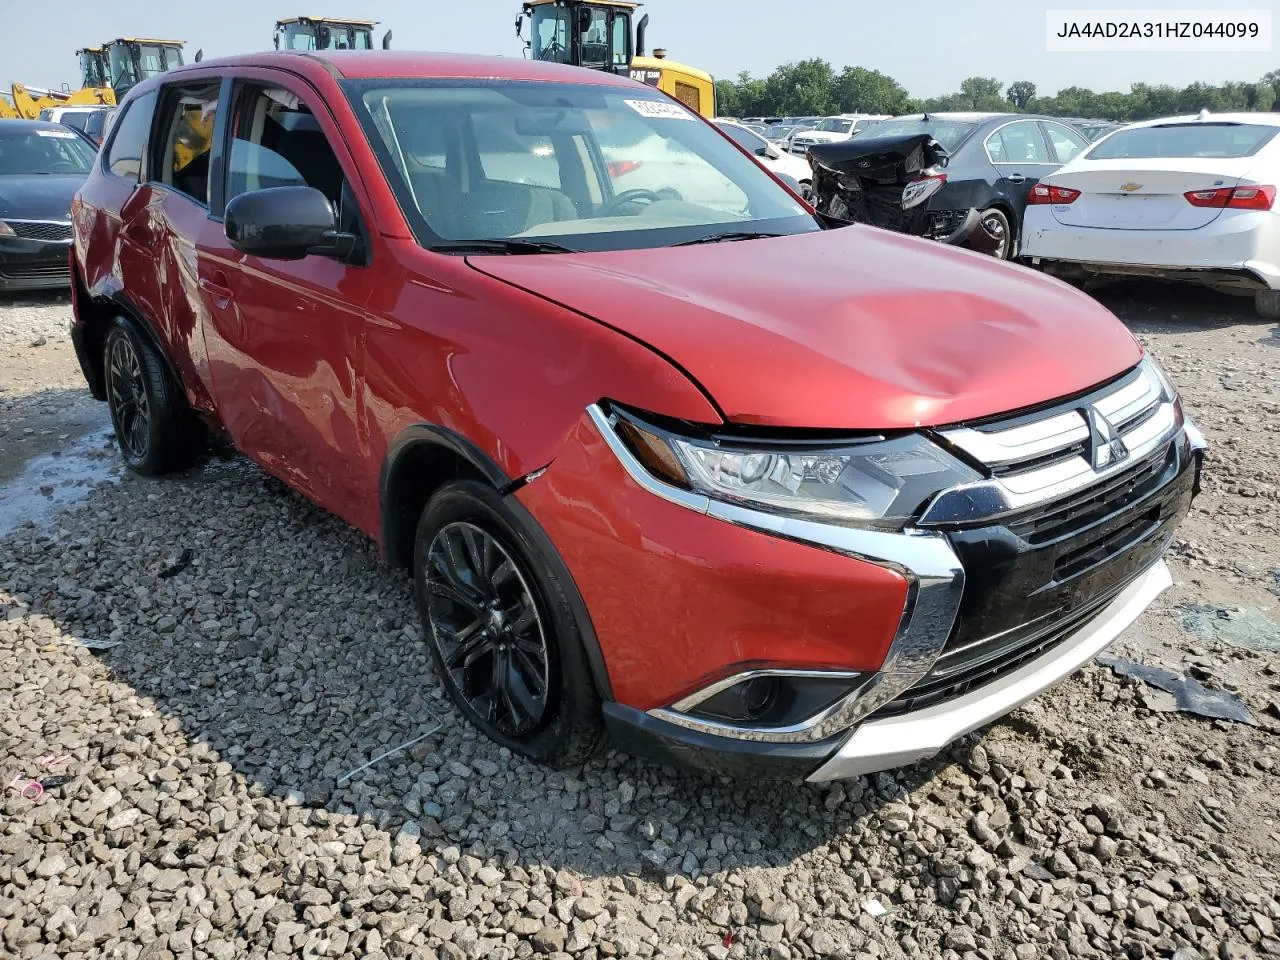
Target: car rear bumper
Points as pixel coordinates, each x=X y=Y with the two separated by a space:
x=1244 y=243
x=34 y=264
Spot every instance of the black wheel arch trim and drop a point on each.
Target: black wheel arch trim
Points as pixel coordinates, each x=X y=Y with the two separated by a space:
x=393 y=525
x=107 y=294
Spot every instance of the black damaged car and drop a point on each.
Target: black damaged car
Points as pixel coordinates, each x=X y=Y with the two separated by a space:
x=959 y=178
x=42 y=165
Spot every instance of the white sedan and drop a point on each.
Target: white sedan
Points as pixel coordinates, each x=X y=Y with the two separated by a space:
x=770 y=155
x=1189 y=198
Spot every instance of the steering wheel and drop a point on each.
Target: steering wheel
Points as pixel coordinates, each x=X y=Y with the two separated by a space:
x=630 y=196
x=62 y=166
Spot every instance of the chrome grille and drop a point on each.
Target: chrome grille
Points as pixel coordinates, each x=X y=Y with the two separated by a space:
x=47 y=230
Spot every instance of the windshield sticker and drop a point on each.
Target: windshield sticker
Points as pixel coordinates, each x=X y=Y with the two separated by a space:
x=659 y=109
x=59 y=134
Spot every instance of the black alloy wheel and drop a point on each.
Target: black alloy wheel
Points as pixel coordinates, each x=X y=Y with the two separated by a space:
x=997 y=225
x=127 y=399
x=487 y=629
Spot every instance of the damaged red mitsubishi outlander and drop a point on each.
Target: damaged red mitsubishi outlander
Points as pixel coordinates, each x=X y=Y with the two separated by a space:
x=668 y=455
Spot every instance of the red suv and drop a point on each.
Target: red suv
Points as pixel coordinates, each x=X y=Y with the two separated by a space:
x=674 y=459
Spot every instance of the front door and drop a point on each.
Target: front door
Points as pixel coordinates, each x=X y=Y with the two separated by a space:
x=286 y=338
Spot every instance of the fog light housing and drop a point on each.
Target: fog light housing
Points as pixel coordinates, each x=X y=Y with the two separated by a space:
x=772 y=699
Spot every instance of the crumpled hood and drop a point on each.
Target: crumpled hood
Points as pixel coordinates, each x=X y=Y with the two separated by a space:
x=856 y=328
x=38 y=196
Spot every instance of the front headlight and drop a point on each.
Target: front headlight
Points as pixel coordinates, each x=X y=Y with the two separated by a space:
x=6 y=230
x=878 y=482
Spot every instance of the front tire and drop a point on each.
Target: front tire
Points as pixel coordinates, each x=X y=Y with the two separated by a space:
x=1267 y=304
x=500 y=628
x=996 y=223
x=155 y=429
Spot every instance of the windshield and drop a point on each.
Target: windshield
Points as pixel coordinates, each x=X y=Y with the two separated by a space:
x=131 y=63
x=589 y=167
x=25 y=152
x=949 y=133
x=551 y=34
x=91 y=64
x=835 y=125
x=1184 y=140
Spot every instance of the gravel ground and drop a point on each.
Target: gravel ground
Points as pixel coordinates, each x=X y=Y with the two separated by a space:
x=264 y=654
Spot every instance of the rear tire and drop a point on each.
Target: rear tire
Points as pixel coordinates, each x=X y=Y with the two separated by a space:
x=997 y=224
x=1267 y=304
x=155 y=429
x=500 y=628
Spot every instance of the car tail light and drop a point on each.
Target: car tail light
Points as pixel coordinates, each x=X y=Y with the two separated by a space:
x=1237 y=198
x=621 y=168
x=1043 y=193
x=921 y=189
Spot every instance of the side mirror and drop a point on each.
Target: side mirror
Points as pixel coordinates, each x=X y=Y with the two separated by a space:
x=199 y=54
x=286 y=223
x=771 y=151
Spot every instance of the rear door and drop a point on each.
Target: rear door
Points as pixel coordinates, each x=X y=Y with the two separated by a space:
x=1139 y=178
x=1020 y=155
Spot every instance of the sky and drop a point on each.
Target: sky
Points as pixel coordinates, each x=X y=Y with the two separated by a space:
x=929 y=46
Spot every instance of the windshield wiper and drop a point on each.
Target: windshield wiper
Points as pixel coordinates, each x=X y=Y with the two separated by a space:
x=727 y=237
x=511 y=247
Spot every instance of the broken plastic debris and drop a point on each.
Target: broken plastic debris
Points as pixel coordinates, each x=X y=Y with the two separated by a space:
x=1237 y=626
x=97 y=643
x=875 y=908
x=382 y=756
x=1188 y=695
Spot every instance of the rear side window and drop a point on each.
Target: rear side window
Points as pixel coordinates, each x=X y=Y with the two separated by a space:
x=76 y=120
x=1066 y=143
x=1018 y=143
x=186 y=139
x=131 y=132
x=93 y=126
x=1185 y=140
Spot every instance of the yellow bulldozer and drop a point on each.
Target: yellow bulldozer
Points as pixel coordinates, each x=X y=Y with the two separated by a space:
x=597 y=34
x=107 y=73
x=327 y=33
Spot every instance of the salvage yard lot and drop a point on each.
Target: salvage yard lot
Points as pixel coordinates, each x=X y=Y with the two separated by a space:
x=212 y=811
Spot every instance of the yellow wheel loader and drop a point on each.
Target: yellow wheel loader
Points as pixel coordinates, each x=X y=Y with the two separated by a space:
x=597 y=34
x=327 y=33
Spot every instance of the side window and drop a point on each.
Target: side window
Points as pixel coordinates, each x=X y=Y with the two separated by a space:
x=186 y=139
x=1018 y=143
x=595 y=39
x=130 y=131
x=1066 y=143
x=77 y=120
x=621 y=41
x=277 y=142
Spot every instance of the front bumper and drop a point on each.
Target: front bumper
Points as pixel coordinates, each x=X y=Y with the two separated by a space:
x=34 y=264
x=905 y=739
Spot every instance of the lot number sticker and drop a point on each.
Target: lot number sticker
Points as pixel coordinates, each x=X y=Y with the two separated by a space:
x=659 y=109
x=57 y=134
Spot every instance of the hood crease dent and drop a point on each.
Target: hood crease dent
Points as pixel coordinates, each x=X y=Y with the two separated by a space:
x=856 y=328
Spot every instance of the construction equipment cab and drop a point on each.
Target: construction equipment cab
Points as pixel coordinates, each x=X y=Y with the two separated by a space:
x=130 y=60
x=327 y=33
x=597 y=34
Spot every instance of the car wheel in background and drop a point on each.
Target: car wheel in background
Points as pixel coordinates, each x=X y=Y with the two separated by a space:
x=1267 y=304
x=155 y=429
x=997 y=224
x=500 y=627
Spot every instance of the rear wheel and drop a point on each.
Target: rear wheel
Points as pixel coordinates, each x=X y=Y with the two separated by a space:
x=997 y=224
x=1267 y=304
x=155 y=429
x=500 y=628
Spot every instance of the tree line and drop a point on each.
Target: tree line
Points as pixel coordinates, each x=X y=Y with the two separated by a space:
x=814 y=88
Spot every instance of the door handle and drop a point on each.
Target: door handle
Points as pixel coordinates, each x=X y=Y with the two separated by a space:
x=216 y=287
x=1017 y=178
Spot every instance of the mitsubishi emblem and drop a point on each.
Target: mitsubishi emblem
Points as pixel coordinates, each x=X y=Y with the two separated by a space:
x=1105 y=445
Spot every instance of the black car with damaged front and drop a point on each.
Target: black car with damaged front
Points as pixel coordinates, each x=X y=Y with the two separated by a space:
x=42 y=165
x=959 y=178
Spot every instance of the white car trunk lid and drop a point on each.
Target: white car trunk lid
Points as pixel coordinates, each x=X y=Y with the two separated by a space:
x=1146 y=194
